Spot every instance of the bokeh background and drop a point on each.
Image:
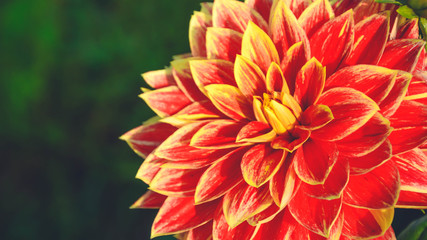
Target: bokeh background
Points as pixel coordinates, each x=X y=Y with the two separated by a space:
x=69 y=81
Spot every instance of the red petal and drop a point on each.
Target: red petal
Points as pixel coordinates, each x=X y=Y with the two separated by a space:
x=313 y=17
x=296 y=56
x=255 y=132
x=376 y=189
x=402 y=54
x=314 y=160
x=203 y=232
x=219 y=178
x=261 y=6
x=333 y=186
x=412 y=167
x=144 y=139
x=149 y=168
x=370 y=37
x=351 y=110
x=150 y=199
x=309 y=83
x=388 y=235
x=409 y=30
x=244 y=201
x=180 y=215
x=409 y=114
x=291 y=143
x=366 y=223
x=275 y=80
x=332 y=42
x=221 y=229
x=198 y=111
x=159 y=78
x=217 y=134
x=258 y=47
x=317 y=215
x=390 y=104
x=285 y=29
x=341 y=6
x=264 y=216
x=407 y=138
x=409 y=199
x=376 y=82
x=235 y=15
x=316 y=116
x=166 y=101
x=176 y=182
x=249 y=78
x=298 y=6
x=206 y=72
x=367 y=138
x=417 y=90
x=364 y=164
x=197 y=33
x=230 y=100
x=260 y=163
x=223 y=43
x=283 y=185
x=182 y=74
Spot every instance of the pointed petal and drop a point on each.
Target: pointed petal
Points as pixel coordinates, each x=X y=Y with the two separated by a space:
x=176 y=182
x=412 y=166
x=285 y=29
x=223 y=43
x=317 y=215
x=283 y=184
x=407 y=138
x=182 y=74
x=199 y=111
x=243 y=202
x=409 y=30
x=249 y=77
x=376 y=189
x=296 y=56
x=333 y=186
x=221 y=229
x=402 y=54
x=150 y=199
x=166 y=101
x=309 y=83
x=364 y=164
x=366 y=223
x=219 y=178
x=261 y=6
x=199 y=23
x=203 y=232
x=291 y=143
x=417 y=90
x=408 y=199
x=341 y=6
x=298 y=6
x=370 y=37
x=388 y=235
x=159 y=78
x=195 y=163
x=149 y=168
x=230 y=100
x=351 y=110
x=333 y=41
x=367 y=138
x=314 y=161
x=316 y=116
x=235 y=15
x=256 y=132
x=275 y=80
x=260 y=163
x=315 y=15
x=376 y=82
x=217 y=134
x=144 y=139
x=258 y=47
x=180 y=214
x=392 y=102
x=264 y=216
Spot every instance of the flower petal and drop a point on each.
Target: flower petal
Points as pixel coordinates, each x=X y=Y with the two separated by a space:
x=315 y=15
x=244 y=201
x=199 y=23
x=219 y=178
x=364 y=164
x=261 y=6
x=230 y=100
x=166 y=101
x=256 y=132
x=150 y=199
x=214 y=71
x=260 y=163
x=351 y=110
x=298 y=6
x=182 y=74
x=377 y=189
x=223 y=43
x=392 y=102
x=217 y=134
x=412 y=166
x=258 y=47
x=417 y=90
x=296 y=56
x=309 y=83
x=203 y=232
x=408 y=199
x=275 y=80
x=235 y=15
x=402 y=54
x=149 y=168
x=332 y=42
x=366 y=223
x=180 y=214
x=159 y=78
x=198 y=111
x=176 y=182
x=316 y=116
x=370 y=37
x=285 y=29
x=221 y=229
x=317 y=215
x=314 y=161
x=407 y=138
x=249 y=77
x=409 y=30
x=283 y=184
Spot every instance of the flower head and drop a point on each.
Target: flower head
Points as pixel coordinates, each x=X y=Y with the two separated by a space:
x=290 y=119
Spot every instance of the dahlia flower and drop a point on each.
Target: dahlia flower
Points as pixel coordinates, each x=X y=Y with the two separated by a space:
x=290 y=119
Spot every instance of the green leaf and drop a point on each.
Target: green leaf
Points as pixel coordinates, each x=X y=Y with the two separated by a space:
x=417 y=230
x=423 y=26
x=389 y=1
x=406 y=11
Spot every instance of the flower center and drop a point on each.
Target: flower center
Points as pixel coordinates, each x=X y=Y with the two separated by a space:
x=280 y=110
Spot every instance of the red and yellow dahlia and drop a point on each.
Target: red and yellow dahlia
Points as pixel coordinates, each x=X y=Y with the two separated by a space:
x=290 y=119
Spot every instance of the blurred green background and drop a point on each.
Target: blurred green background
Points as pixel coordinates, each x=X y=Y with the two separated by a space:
x=70 y=78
